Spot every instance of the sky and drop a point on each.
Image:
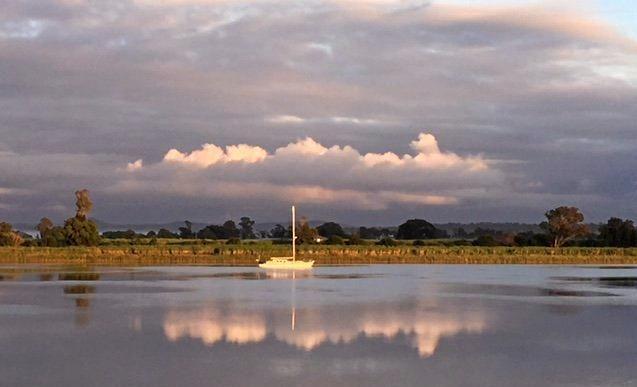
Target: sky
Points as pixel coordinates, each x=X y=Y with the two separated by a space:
x=362 y=112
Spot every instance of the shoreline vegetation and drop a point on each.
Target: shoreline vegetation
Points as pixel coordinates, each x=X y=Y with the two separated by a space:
x=563 y=238
x=247 y=255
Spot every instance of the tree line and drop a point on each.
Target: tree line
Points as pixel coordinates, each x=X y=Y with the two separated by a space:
x=564 y=226
x=78 y=230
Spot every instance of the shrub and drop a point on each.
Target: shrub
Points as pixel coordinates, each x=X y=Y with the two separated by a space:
x=485 y=240
x=335 y=240
x=8 y=237
x=387 y=242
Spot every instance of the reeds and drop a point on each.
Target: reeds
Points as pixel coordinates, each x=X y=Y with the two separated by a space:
x=248 y=254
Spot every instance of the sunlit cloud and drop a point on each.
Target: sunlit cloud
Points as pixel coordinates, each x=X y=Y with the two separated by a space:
x=316 y=327
x=308 y=172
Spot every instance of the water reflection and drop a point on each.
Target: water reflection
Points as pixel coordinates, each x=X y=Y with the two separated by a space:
x=352 y=326
x=424 y=324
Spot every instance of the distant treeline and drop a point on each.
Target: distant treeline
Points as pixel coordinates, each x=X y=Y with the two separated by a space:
x=564 y=226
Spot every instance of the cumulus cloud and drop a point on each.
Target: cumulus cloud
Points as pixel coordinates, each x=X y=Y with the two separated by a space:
x=306 y=171
x=211 y=154
x=135 y=165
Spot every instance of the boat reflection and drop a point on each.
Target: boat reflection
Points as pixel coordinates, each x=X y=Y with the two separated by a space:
x=423 y=324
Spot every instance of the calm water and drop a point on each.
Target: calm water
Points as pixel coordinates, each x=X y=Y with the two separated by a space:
x=336 y=326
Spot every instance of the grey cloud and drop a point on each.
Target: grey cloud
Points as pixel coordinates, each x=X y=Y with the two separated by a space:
x=102 y=84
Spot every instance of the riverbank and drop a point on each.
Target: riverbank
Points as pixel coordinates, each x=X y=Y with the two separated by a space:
x=224 y=255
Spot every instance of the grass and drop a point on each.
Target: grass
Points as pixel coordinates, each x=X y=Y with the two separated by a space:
x=247 y=254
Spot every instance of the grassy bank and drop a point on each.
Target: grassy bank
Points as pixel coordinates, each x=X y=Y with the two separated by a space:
x=246 y=255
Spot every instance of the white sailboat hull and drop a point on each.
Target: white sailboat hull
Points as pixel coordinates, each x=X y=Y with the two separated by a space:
x=286 y=264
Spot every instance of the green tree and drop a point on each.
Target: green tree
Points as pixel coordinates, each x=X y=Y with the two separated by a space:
x=330 y=229
x=417 y=229
x=247 y=225
x=485 y=240
x=230 y=230
x=128 y=234
x=186 y=231
x=355 y=239
x=563 y=224
x=166 y=234
x=306 y=234
x=44 y=227
x=9 y=237
x=278 y=231
x=56 y=237
x=618 y=233
x=81 y=232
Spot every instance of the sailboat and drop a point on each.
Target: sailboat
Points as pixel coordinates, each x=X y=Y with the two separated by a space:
x=288 y=263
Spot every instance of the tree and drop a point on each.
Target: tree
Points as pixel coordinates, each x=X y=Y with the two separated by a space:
x=166 y=234
x=355 y=239
x=186 y=231
x=83 y=203
x=618 y=233
x=305 y=233
x=56 y=237
x=246 y=225
x=530 y=238
x=369 y=232
x=230 y=230
x=79 y=230
x=331 y=229
x=563 y=224
x=9 y=237
x=417 y=229
x=278 y=231
x=44 y=227
x=485 y=240
x=128 y=234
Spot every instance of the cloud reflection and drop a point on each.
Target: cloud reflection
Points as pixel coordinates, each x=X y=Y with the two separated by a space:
x=423 y=324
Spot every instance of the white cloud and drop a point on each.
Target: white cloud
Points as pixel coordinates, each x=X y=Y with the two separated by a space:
x=285 y=119
x=136 y=165
x=211 y=154
x=306 y=171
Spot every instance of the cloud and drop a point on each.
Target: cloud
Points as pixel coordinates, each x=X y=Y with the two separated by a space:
x=306 y=171
x=211 y=154
x=285 y=119
x=135 y=165
x=549 y=91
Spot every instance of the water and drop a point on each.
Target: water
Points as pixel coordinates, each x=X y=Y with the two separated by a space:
x=336 y=326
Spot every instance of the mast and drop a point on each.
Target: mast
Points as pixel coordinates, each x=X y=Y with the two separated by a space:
x=293 y=234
